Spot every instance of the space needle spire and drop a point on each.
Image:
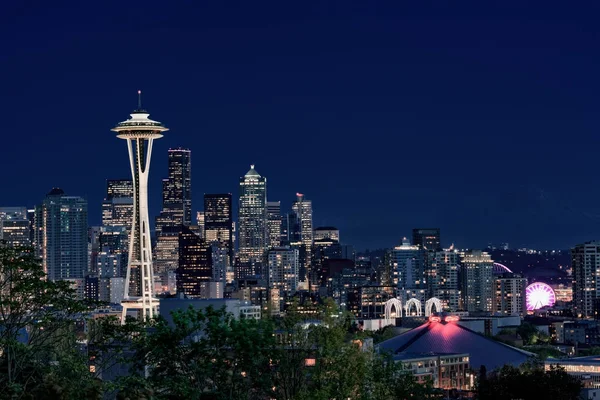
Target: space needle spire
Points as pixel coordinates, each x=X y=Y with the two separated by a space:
x=140 y=131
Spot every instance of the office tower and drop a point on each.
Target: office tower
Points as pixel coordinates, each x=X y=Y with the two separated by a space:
x=327 y=232
x=117 y=207
x=166 y=250
x=274 y=223
x=200 y=224
x=177 y=191
x=283 y=267
x=303 y=210
x=509 y=294
x=324 y=249
x=195 y=265
x=444 y=282
x=15 y=228
x=427 y=238
x=477 y=281
x=218 y=221
x=140 y=132
x=585 y=261
x=407 y=266
x=252 y=219
x=62 y=235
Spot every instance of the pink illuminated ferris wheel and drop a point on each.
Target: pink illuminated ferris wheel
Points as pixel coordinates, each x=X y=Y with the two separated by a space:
x=538 y=295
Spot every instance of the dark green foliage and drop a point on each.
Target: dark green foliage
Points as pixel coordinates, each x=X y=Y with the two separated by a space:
x=529 y=383
x=39 y=356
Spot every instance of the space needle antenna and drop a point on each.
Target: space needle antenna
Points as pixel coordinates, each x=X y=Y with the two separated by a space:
x=139 y=99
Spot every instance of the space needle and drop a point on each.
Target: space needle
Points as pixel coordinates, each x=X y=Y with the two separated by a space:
x=140 y=132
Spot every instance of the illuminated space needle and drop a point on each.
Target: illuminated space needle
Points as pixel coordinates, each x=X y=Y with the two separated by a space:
x=140 y=132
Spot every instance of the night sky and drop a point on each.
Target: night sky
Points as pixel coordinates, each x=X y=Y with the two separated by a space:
x=480 y=119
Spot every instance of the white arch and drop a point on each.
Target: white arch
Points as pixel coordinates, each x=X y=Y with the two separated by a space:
x=394 y=302
x=417 y=305
x=429 y=306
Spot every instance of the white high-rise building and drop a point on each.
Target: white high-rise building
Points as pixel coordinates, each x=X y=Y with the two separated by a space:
x=477 y=281
x=585 y=261
x=140 y=132
x=283 y=269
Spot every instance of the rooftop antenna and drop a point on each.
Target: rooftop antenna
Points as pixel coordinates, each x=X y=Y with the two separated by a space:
x=139 y=99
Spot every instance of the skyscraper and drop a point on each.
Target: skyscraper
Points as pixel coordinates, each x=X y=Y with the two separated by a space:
x=62 y=235
x=302 y=209
x=218 y=221
x=177 y=191
x=194 y=273
x=117 y=207
x=140 y=132
x=407 y=271
x=442 y=278
x=477 y=281
x=509 y=294
x=252 y=217
x=585 y=261
x=117 y=219
x=282 y=264
x=176 y=212
x=15 y=228
x=274 y=222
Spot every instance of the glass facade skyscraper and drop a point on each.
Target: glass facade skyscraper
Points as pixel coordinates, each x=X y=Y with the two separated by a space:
x=177 y=191
x=252 y=217
x=274 y=222
x=15 y=227
x=194 y=272
x=62 y=235
x=218 y=221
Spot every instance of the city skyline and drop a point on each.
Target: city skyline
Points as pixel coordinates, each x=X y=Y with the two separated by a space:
x=481 y=139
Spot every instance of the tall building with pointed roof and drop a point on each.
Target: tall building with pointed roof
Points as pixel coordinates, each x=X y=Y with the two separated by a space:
x=252 y=217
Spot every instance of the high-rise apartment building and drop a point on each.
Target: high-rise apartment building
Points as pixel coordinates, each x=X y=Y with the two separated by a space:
x=194 y=273
x=477 y=281
x=442 y=279
x=15 y=227
x=177 y=191
x=427 y=238
x=585 y=261
x=61 y=227
x=218 y=221
x=274 y=222
x=252 y=217
x=407 y=267
x=509 y=294
x=283 y=269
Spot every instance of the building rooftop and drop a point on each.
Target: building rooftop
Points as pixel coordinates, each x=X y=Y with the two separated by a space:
x=252 y=172
x=450 y=337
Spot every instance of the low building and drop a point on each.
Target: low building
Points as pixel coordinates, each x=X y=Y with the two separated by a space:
x=445 y=370
x=585 y=368
x=442 y=334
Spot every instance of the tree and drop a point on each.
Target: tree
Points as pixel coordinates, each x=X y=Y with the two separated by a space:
x=529 y=383
x=205 y=354
x=39 y=356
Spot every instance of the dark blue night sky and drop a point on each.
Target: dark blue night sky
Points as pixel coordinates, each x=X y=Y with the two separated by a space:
x=480 y=118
